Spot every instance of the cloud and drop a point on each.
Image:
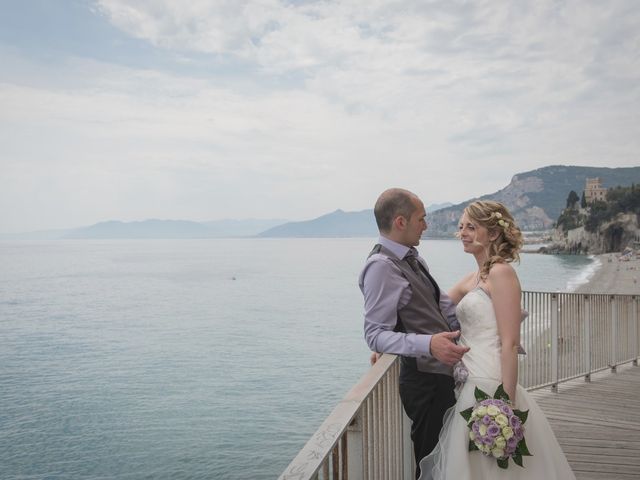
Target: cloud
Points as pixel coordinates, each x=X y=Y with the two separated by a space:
x=272 y=103
x=405 y=58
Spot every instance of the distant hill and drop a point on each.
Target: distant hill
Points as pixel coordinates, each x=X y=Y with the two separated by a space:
x=335 y=224
x=537 y=198
x=154 y=229
x=144 y=229
x=174 y=229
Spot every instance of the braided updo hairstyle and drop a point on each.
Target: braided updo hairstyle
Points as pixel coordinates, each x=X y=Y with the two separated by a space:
x=495 y=217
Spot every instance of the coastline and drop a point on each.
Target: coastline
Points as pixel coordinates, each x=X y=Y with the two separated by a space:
x=613 y=276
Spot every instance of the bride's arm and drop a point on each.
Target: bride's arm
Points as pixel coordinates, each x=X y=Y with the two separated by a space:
x=460 y=289
x=505 y=295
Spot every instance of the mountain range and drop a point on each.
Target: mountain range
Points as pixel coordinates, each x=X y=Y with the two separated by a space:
x=154 y=228
x=536 y=199
x=336 y=224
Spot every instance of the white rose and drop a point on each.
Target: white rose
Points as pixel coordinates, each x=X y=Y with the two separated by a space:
x=497 y=452
x=493 y=410
x=502 y=420
x=472 y=435
x=500 y=442
x=481 y=411
x=507 y=432
x=483 y=430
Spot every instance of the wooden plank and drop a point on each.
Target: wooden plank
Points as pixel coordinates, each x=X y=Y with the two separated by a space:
x=596 y=423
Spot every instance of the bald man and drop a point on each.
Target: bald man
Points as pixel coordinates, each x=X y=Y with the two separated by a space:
x=406 y=314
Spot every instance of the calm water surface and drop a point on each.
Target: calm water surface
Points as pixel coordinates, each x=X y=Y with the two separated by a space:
x=188 y=359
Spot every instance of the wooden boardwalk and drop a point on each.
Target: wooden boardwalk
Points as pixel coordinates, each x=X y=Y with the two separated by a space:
x=598 y=423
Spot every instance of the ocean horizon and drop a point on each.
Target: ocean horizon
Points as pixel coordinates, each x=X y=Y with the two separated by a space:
x=211 y=358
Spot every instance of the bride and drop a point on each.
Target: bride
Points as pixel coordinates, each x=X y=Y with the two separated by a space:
x=488 y=308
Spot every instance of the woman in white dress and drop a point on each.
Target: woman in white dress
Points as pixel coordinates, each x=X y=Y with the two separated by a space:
x=488 y=308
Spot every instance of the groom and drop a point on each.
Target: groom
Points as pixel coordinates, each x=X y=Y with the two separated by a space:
x=404 y=315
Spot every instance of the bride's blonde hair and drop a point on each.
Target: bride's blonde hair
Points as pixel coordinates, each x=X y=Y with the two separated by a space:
x=495 y=217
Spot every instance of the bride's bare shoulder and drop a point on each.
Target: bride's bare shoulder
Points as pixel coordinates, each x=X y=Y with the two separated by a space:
x=502 y=270
x=503 y=275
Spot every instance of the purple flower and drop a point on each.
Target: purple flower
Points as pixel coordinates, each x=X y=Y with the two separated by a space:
x=512 y=443
x=475 y=427
x=506 y=410
x=487 y=440
x=486 y=419
x=518 y=432
x=514 y=421
x=493 y=430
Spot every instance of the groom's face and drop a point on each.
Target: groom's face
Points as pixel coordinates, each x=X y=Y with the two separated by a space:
x=416 y=225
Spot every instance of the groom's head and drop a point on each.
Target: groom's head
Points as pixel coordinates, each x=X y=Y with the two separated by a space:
x=400 y=216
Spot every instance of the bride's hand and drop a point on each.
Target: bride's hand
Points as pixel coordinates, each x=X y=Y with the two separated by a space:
x=444 y=348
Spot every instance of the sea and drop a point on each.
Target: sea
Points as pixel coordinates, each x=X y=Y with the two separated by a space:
x=189 y=359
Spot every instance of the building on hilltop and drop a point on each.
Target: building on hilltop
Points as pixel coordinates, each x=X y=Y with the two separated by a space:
x=594 y=190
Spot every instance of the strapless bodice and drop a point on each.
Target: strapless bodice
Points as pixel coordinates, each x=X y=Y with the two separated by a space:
x=480 y=333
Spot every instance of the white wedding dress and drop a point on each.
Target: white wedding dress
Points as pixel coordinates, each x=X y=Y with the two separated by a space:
x=451 y=459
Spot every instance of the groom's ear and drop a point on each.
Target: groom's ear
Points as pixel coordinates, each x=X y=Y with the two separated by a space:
x=400 y=222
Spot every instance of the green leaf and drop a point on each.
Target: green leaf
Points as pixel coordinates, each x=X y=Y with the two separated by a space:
x=466 y=414
x=480 y=395
x=517 y=459
x=501 y=394
x=522 y=449
x=503 y=463
x=472 y=446
x=522 y=415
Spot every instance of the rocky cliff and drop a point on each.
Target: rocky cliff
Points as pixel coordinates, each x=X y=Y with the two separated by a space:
x=536 y=198
x=612 y=236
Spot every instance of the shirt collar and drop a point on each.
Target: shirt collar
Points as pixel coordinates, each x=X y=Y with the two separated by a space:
x=396 y=248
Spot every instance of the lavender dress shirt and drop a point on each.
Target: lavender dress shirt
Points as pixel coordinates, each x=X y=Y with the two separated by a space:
x=385 y=292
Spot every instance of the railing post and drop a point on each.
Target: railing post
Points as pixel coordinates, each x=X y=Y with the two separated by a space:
x=408 y=458
x=587 y=337
x=614 y=333
x=636 y=328
x=554 y=342
x=355 y=460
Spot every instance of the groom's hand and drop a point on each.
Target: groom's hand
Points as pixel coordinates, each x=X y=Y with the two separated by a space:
x=444 y=348
x=375 y=356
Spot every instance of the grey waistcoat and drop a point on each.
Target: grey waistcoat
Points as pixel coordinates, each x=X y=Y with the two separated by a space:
x=422 y=314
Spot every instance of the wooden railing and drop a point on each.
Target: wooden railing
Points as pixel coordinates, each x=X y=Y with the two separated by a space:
x=366 y=435
x=566 y=336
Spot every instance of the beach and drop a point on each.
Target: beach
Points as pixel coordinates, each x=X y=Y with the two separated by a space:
x=614 y=276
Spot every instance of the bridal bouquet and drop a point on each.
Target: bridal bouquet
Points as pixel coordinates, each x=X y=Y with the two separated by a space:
x=496 y=428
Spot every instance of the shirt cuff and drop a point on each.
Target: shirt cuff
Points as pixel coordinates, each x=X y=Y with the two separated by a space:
x=425 y=339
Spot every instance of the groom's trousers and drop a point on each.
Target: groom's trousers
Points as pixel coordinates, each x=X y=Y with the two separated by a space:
x=425 y=397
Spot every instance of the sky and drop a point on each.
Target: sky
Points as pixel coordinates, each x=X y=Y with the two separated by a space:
x=205 y=110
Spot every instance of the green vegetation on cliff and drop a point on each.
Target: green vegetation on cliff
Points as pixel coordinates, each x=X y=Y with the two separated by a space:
x=619 y=200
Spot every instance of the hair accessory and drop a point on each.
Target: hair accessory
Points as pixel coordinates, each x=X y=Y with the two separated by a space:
x=502 y=223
